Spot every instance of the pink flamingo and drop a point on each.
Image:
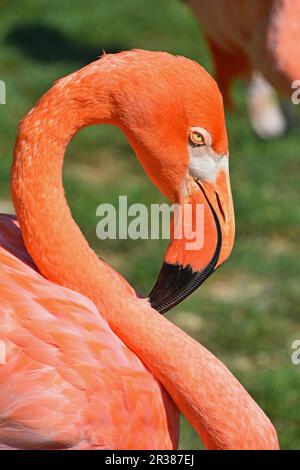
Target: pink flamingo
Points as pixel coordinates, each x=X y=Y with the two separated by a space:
x=85 y=364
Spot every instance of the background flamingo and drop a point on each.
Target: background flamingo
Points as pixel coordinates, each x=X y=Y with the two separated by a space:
x=257 y=40
x=72 y=377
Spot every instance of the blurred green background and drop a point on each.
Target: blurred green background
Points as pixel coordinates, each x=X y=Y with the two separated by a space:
x=247 y=312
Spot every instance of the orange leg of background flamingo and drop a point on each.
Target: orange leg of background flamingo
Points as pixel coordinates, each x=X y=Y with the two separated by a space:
x=84 y=363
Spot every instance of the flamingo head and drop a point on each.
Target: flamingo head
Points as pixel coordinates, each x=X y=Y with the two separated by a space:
x=171 y=110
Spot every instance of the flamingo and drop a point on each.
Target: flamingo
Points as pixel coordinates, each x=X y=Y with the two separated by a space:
x=84 y=362
x=257 y=40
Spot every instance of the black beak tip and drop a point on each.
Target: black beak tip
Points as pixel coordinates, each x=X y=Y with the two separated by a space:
x=175 y=282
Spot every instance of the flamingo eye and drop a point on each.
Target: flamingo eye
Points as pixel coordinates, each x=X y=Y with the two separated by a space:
x=197 y=138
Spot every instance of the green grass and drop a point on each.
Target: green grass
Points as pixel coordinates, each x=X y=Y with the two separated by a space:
x=246 y=313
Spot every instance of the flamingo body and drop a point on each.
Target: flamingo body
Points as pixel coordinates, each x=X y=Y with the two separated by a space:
x=258 y=41
x=245 y=36
x=67 y=381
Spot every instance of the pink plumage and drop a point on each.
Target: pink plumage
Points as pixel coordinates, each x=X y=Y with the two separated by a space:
x=68 y=380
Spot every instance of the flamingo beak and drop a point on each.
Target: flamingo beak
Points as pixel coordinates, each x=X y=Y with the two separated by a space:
x=202 y=239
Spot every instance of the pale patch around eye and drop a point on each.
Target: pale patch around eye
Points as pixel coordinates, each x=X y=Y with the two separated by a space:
x=206 y=166
x=205 y=163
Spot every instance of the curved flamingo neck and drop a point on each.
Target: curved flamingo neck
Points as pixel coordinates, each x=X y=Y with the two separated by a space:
x=217 y=406
x=50 y=234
